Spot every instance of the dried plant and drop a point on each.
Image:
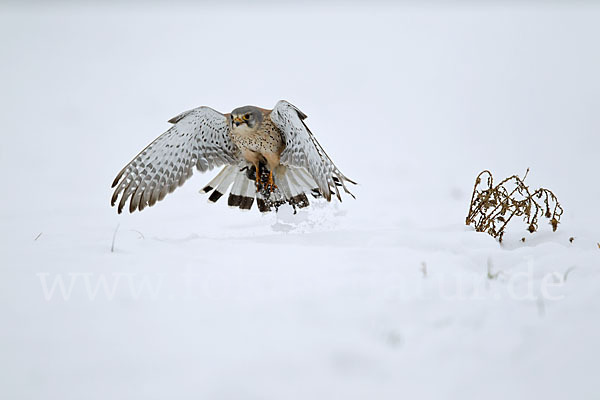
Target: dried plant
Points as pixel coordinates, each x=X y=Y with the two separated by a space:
x=492 y=207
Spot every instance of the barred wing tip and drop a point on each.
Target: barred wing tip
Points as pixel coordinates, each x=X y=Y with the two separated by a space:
x=303 y=150
x=198 y=140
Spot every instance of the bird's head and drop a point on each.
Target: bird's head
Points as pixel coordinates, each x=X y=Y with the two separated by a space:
x=247 y=116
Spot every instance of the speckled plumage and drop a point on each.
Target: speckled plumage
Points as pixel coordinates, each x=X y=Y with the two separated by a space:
x=277 y=140
x=264 y=138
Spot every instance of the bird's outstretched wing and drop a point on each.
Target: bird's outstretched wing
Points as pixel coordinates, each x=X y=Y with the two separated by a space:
x=302 y=150
x=199 y=138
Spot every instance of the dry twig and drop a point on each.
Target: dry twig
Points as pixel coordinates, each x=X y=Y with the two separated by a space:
x=492 y=207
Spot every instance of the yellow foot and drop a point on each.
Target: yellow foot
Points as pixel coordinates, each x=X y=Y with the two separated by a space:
x=271 y=186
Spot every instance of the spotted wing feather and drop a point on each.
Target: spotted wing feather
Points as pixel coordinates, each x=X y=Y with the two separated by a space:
x=302 y=150
x=199 y=138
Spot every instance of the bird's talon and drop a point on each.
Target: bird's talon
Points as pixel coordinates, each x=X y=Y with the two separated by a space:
x=270 y=183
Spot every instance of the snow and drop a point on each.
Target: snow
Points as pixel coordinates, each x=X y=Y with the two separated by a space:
x=386 y=296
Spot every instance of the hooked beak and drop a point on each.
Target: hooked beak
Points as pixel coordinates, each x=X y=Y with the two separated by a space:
x=237 y=121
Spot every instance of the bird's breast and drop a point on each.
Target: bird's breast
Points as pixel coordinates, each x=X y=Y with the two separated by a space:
x=264 y=139
x=245 y=137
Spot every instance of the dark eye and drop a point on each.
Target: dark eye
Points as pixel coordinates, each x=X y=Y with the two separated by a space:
x=246 y=116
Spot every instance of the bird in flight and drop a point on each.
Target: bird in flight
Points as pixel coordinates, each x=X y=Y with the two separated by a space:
x=270 y=155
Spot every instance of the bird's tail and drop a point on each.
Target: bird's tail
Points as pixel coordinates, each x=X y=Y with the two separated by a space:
x=293 y=186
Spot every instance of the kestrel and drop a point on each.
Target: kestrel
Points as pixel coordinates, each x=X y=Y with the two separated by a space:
x=270 y=155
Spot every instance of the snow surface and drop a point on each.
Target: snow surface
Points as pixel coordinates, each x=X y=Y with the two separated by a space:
x=383 y=297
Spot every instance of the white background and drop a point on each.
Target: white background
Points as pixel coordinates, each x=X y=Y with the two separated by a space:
x=411 y=101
